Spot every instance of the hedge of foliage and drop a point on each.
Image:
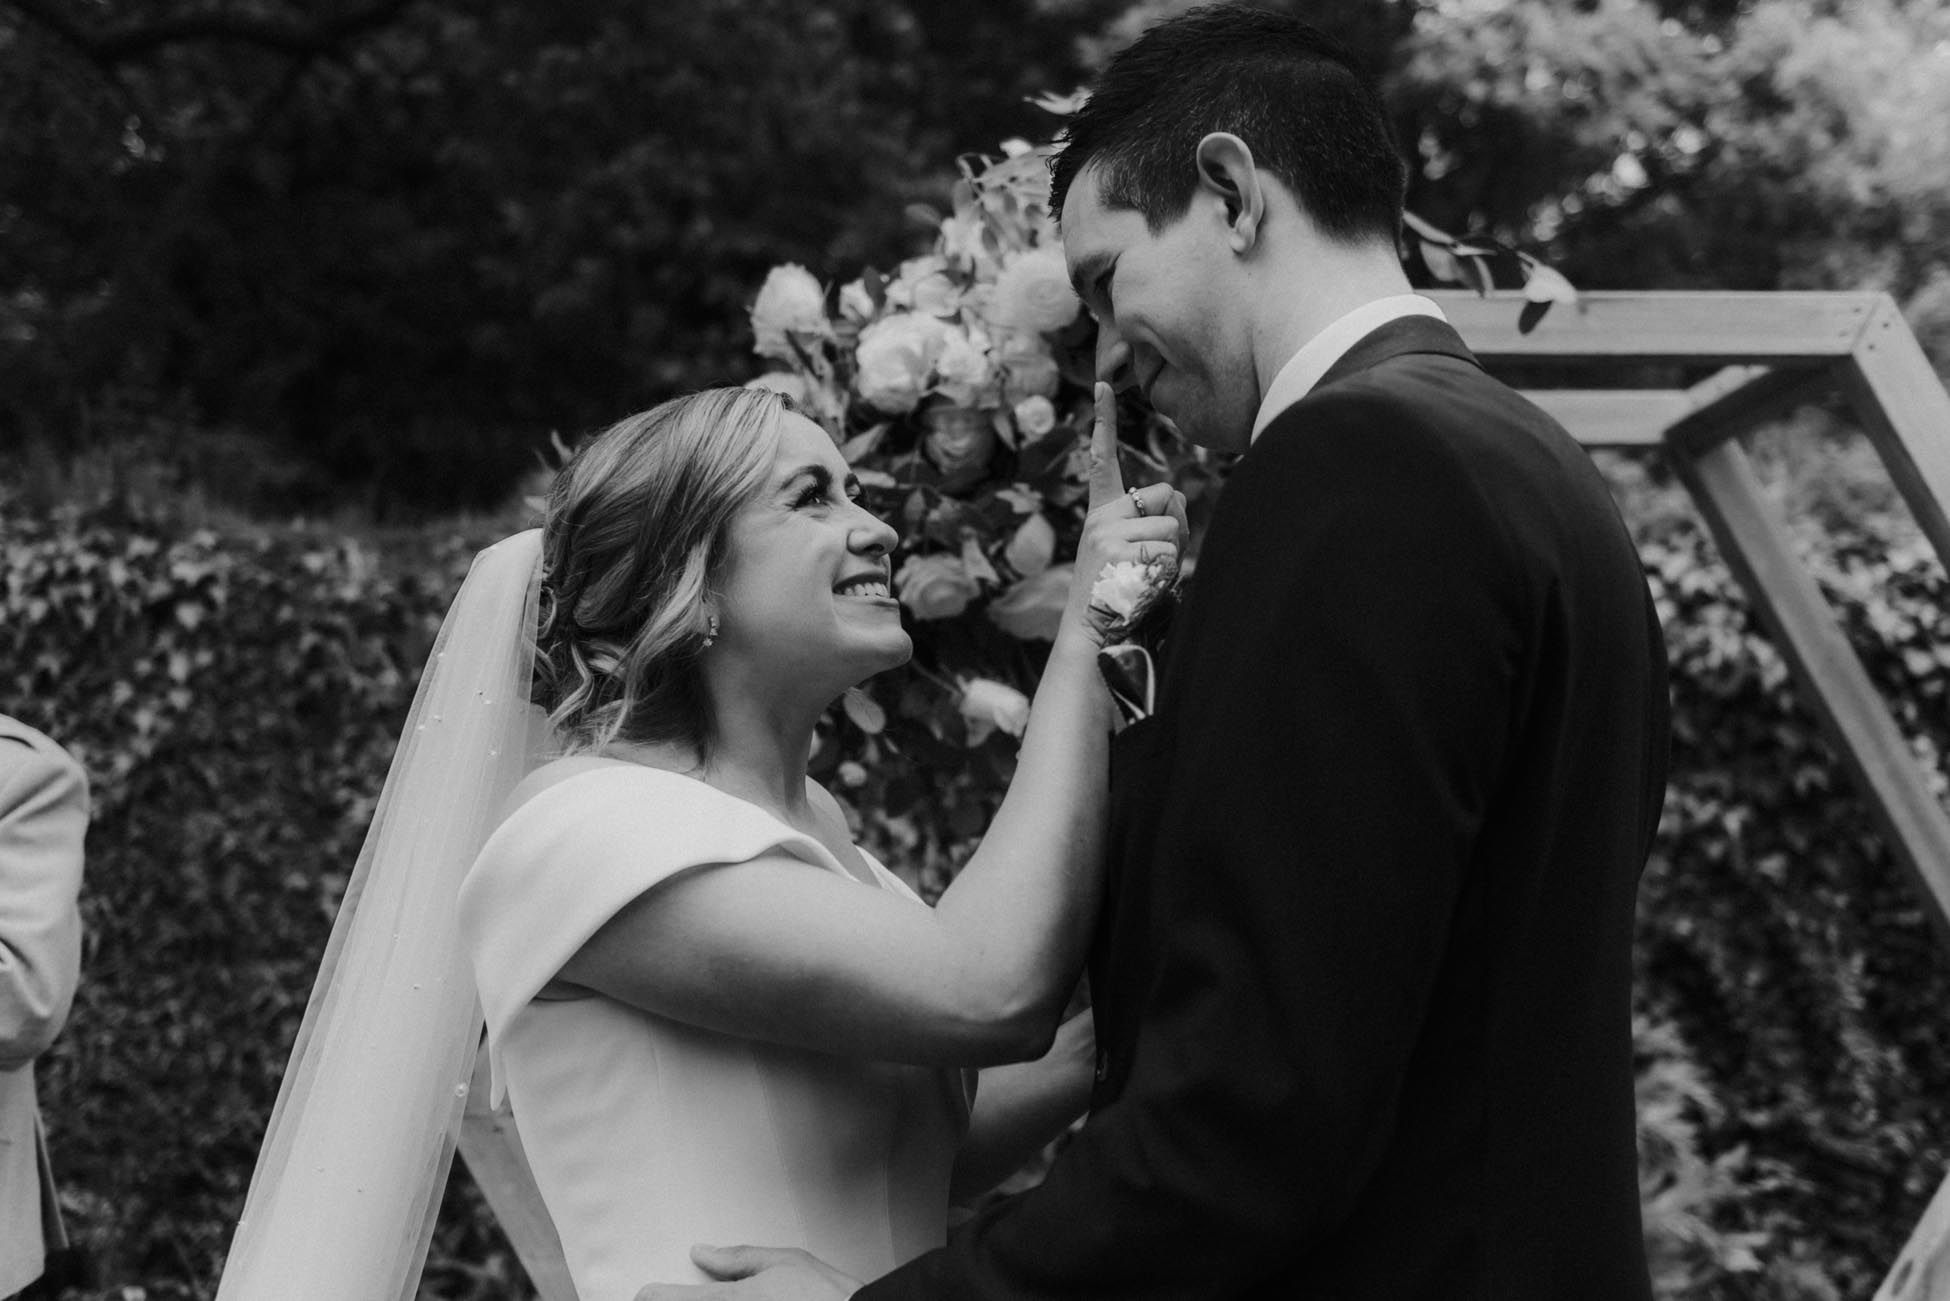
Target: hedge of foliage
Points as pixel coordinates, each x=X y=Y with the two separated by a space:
x=1779 y=939
x=234 y=697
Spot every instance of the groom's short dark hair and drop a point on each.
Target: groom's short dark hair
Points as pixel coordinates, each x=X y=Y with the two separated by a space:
x=1284 y=87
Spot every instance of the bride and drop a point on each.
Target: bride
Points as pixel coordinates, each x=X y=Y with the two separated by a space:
x=714 y=1016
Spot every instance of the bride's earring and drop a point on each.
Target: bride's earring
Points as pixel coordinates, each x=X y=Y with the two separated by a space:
x=710 y=631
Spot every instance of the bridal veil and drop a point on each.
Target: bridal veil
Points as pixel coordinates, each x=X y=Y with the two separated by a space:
x=354 y=1163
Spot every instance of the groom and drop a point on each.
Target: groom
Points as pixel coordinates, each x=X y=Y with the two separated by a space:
x=1363 y=982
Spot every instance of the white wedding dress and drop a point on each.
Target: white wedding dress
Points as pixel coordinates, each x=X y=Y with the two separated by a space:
x=647 y=1135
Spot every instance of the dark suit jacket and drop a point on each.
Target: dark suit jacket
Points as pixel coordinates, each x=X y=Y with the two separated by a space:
x=1363 y=982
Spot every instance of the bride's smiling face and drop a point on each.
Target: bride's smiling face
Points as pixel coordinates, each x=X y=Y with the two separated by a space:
x=806 y=596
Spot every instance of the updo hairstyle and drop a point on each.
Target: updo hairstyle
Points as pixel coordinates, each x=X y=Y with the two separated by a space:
x=634 y=538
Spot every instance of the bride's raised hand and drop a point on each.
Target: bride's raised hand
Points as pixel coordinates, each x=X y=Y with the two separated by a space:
x=1132 y=539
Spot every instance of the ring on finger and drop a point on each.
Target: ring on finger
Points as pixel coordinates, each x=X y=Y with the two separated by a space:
x=1137 y=501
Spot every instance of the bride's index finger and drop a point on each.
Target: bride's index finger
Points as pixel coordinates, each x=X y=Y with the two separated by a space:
x=1106 y=479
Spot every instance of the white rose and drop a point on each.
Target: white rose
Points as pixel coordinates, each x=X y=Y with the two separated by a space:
x=894 y=358
x=935 y=587
x=978 y=301
x=936 y=295
x=1029 y=374
x=1035 y=416
x=961 y=242
x=1126 y=591
x=1033 y=293
x=1123 y=588
x=988 y=705
x=789 y=302
x=856 y=304
x=963 y=369
x=922 y=285
x=960 y=441
x=1031 y=549
x=1034 y=607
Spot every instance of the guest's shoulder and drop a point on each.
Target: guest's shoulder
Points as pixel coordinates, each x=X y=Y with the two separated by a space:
x=15 y=733
x=29 y=757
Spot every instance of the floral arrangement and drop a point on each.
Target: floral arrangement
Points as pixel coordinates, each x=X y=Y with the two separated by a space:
x=958 y=388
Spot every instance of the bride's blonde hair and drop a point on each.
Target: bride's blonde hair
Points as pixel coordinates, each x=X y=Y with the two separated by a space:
x=635 y=535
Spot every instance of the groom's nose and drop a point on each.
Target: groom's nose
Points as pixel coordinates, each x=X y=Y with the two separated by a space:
x=1113 y=358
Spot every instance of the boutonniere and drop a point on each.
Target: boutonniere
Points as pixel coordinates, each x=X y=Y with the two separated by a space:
x=1126 y=592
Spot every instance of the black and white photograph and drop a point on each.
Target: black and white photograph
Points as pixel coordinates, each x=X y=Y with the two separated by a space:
x=975 y=650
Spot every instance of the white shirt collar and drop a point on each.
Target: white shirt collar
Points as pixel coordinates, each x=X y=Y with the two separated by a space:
x=1318 y=355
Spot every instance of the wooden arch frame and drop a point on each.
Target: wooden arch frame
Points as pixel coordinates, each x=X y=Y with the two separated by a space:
x=1772 y=352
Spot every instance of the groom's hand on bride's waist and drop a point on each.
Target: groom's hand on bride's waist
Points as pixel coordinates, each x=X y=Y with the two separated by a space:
x=756 y=1274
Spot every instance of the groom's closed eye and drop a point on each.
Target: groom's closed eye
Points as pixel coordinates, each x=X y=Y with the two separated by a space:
x=1108 y=307
x=1092 y=281
x=1100 y=288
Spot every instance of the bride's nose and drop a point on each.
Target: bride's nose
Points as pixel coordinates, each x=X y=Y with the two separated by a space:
x=871 y=535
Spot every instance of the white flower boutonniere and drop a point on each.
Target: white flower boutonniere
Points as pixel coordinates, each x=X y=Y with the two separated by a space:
x=1125 y=592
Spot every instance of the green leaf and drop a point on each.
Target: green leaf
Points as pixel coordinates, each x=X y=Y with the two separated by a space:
x=1475 y=272
x=1441 y=263
x=865 y=711
x=1542 y=284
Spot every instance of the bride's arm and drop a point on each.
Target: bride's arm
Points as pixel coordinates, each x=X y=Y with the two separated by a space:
x=1021 y=1108
x=774 y=950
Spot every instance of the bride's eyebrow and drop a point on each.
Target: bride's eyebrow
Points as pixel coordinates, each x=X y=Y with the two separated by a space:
x=819 y=474
x=823 y=479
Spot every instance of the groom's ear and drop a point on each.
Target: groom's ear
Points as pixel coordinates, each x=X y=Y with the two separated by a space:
x=1226 y=171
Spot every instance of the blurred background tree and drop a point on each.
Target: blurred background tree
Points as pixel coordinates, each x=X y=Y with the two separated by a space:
x=372 y=252
x=1778 y=144
x=377 y=251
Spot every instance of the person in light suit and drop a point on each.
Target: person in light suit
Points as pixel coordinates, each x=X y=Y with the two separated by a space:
x=43 y=816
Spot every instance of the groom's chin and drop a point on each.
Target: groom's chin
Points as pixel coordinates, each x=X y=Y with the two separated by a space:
x=1212 y=431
